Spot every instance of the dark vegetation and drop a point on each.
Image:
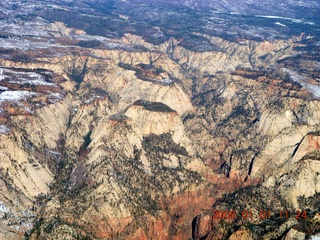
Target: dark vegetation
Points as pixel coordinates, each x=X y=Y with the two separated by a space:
x=149 y=73
x=163 y=143
x=153 y=106
x=198 y=44
x=315 y=155
x=22 y=58
x=142 y=187
x=103 y=19
x=248 y=73
x=76 y=68
x=268 y=75
x=118 y=117
x=89 y=44
x=253 y=200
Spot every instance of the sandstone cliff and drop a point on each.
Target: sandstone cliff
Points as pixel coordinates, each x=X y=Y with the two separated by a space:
x=135 y=140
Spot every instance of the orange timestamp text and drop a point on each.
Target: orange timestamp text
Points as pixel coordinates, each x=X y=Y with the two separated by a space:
x=262 y=214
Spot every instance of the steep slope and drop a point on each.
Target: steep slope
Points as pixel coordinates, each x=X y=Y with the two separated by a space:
x=136 y=133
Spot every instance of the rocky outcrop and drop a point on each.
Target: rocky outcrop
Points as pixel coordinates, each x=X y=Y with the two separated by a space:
x=248 y=54
x=133 y=140
x=294 y=234
x=241 y=235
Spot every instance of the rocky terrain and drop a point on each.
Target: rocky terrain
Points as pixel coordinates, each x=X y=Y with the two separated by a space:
x=157 y=120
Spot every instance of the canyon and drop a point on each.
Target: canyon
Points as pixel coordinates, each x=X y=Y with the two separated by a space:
x=119 y=128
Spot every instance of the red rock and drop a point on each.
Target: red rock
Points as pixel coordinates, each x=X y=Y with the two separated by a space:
x=139 y=235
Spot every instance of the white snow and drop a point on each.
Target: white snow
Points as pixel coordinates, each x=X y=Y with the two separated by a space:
x=24 y=44
x=314 y=89
x=25 y=108
x=280 y=24
x=166 y=81
x=54 y=152
x=24 y=77
x=287 y=18
x=32 y=82
x=278 y=17
x=1 y=75
x=315 y=237
x=20 y=78
x=91 y=99
x=3 y=129
x=55 y=95
x=3 y=208
x=15 y=95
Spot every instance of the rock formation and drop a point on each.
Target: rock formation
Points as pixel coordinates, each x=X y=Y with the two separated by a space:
x=150 y=134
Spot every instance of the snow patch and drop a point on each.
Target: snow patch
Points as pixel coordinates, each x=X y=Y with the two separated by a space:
x=33 y=82
x=15 y=95
x=25 y=77
x=314 y=89
x=3 y=208
x=54 y=152
x=3 y=129
x=315 y=237
x=166 y=81
x=55 y=95
x=91 y=99
x=287 y=18
x=280 y=24
x=1 y=75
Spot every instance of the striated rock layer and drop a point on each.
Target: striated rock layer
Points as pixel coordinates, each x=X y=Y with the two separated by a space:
x=148 y=143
